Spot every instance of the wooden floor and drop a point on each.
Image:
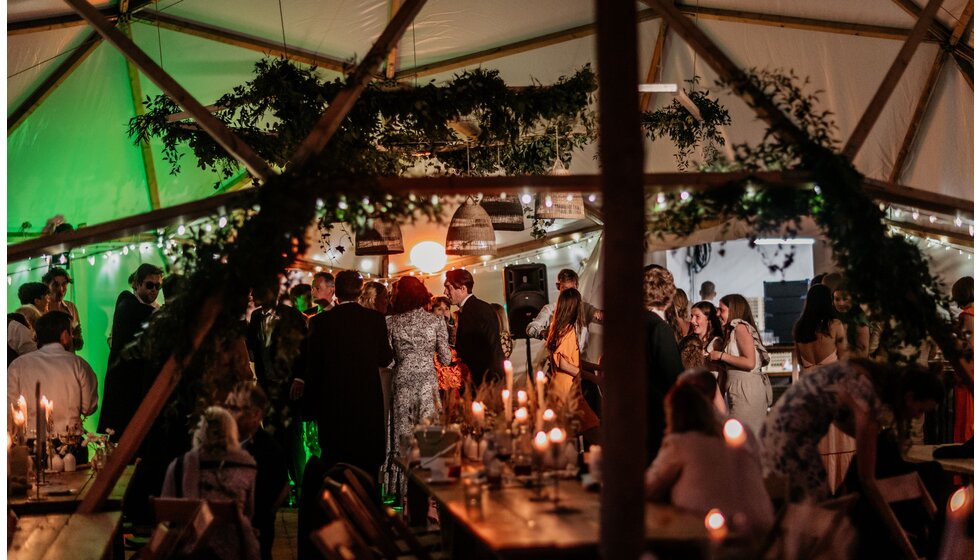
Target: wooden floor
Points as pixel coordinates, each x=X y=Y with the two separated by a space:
x=284 y=547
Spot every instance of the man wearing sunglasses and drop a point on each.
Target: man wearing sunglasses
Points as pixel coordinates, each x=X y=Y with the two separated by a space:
x=123 y=390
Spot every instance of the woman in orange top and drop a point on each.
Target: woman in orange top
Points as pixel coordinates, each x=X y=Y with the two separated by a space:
x=567 y=367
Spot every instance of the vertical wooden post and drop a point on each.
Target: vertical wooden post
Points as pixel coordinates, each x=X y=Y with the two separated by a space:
x=624 y=408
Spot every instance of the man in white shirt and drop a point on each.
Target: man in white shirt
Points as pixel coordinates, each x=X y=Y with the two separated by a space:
x=538 y=328
x=66 y=379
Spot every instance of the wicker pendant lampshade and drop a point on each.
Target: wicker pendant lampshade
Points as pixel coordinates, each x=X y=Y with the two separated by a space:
x=506 y=213
x=569 y=206
x=379 y=238
x=471 y=232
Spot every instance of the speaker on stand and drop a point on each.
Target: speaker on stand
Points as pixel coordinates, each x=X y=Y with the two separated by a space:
x=526 y=292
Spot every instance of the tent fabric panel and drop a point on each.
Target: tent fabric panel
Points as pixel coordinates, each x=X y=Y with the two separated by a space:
x=32 y=57
x=72 y=155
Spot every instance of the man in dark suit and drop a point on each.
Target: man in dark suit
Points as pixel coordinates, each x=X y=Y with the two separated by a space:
x=478 y=330
x=275 y=337
x=663 y=358
x=346 y=347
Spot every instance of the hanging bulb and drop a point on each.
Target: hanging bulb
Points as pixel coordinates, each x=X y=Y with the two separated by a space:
x=125 y=250
x=592 y=197
x=91 y=260
x=181 y=230
x=915 y=215
x=958 y=221
x=222 y=222
x=526 y=198
x=932 y=219
x=548 y=202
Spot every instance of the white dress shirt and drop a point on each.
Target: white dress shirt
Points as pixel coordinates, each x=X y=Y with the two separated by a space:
x=20 y=338
x=66 y=380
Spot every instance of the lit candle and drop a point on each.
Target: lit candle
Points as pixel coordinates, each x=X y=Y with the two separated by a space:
x=541 y=442
x=715 y=523
x=509 y=375
x=539 y=381
x=478 y=413
x=522 y=398
x=734 y=433
x=956 y=502
x=549 y=415
x=556 y=436
x=521 y=415
x=505 y=395
x=22 y=405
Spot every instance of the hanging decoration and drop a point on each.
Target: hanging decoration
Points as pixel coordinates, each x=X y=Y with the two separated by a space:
x=471 y=231
x=379 y=237
x=506 y=212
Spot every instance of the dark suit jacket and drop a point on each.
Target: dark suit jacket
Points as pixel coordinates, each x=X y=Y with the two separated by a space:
x=478 y=340
x=123 y=387
x=663 y=367
x=270 y=480
x=346 y=347
x=277 y=364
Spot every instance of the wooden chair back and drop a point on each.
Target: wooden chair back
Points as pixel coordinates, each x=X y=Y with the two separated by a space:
x=337 y=541
x=906 y=487
x=372 y=528
x=387 y=515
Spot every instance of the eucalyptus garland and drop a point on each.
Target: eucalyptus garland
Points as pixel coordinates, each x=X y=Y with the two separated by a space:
x=887 y=273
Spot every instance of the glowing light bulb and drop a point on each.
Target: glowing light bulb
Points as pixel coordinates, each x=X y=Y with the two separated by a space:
x=548 y=202
x=526 y=199
x=958 y=499
x=734 y=432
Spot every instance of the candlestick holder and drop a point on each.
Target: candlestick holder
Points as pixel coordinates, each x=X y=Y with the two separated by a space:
x=556 y=455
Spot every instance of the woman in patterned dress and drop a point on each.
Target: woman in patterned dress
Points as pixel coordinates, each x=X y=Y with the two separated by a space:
x=414 y=334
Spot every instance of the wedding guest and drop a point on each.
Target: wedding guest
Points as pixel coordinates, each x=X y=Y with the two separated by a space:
x=247 y=403
x=696 y=470
x=275 y=337
x=856 y=324
x=706 y=333
x=172 y=286
x=123 y=384
x=217 y=468
x=374 y=295
x=302 y=297
x=415 y=335
x=34 y=298
x=66 y=379
x=567 y=367
x=663 y=360
x=707 y=292
x=744 y=356
x=324 y=288
x=346 y=347
x=57 y=280
x=963 y=392
x=452 y=373
x=477 y=331
x=819 y=339
x=679 y=315
x=539 y=327
x=20 y=337
x=506 y=339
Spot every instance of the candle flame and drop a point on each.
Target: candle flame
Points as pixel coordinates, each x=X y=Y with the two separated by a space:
x=505 y=394
x=540 y=377
x=521 y=397
x=540 y=440
x=21 y=402
x=521 y=414
x=19 y=418
x=549 y=415
x=958 y=499
x=556 y=435
x=477 y=407
x=734 y=432
x=508 y=365
x=715 y=520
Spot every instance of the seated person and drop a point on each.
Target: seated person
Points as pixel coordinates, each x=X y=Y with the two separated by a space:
x=218 y=469
x=697 y=470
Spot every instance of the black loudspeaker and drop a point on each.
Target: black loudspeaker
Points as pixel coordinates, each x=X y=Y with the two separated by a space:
x=526 y=291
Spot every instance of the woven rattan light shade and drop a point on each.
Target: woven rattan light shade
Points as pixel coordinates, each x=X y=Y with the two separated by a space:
x=506 y=213
x=471 y=232
x=569 y=206
x=379 y=238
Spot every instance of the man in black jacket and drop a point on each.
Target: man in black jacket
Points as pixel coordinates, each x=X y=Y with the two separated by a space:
x=663 y=358
x=346 y=347
x=478 y=330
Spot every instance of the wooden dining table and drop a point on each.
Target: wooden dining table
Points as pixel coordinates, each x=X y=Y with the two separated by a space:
x=65 y=490
x=923 y=453
x=509 y=523
x=58 y=536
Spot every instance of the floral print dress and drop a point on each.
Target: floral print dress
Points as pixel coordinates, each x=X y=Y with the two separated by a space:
x=793 y=429
x=414 y=336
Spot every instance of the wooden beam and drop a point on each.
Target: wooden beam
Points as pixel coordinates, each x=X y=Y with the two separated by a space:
x=920 y=110
x=729 y=71
x=961 y=24
x=342 y=103
x=51 y=83
x=66 y=20
x=945 y=236
x=228 y=37
x=391 y=64
x=215 y=128
x=890 y=81
x=963 y=54
x=624 y=415
x=656 y=64
x=136 y=93
x=661 y=182
x=148 y=411
x=916 y=198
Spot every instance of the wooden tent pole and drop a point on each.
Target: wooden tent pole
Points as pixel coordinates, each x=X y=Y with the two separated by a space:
x=148 y=411
x=656 y=66
x=890 y=81
x=917 y=114
x=624 y=423
x=215 y=128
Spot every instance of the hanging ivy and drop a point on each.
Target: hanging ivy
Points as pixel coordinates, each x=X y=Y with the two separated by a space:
x=684 y=129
